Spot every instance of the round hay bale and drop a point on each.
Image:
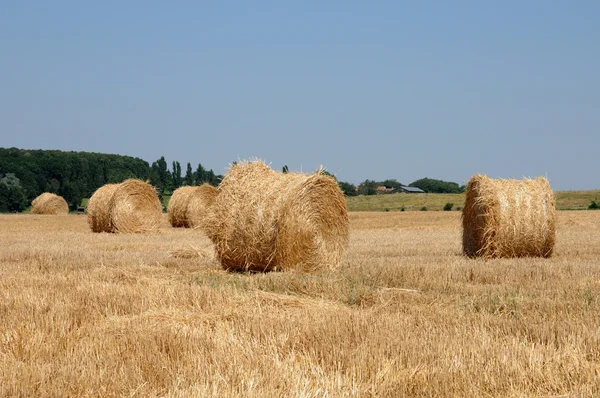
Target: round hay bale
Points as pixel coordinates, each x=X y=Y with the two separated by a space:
x=508 y=218
x=178 y=207
x=97 y=209
x=265 y=220
x=134 y=208
x=49 y=203
x=200 y=204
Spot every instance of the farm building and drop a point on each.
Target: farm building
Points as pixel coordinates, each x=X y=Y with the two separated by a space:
x=410 y=189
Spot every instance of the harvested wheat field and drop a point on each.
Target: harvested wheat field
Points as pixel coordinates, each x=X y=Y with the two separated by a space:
x=406 y=314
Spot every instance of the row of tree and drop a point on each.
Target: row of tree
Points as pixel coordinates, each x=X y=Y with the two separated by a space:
x=166 y=181
x=429 y=185
x=25 y=174
x=369 y=187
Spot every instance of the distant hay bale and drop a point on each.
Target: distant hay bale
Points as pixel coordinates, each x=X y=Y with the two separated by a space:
x=97 y=209
x=135 y=208
x=130 y=207
x=188 y=206
x=49 y=203
x=178 y=206
x=508 y=218
x=265 y=220
x=200 y=204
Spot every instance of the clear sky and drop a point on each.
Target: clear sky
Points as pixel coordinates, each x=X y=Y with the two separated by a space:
x=377 y=90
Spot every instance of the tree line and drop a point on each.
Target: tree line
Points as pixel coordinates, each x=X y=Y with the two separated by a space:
x=369 y=187
x=166 y=181
x=429 y=185
x=25 y=174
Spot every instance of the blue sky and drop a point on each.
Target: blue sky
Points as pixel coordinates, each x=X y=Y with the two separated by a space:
x=371 y=90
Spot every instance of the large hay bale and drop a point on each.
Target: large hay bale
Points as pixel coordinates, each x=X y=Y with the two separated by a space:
x=134 y=208
x=200 y=204
x=508 y=218
x=178 y=206
x=130 y=207
x=266 y=220
x=97 y=209
x=49 y=203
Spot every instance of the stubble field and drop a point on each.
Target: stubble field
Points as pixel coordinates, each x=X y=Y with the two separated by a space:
x=85 y=314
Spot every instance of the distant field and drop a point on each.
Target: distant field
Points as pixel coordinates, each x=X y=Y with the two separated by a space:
x=565 y=200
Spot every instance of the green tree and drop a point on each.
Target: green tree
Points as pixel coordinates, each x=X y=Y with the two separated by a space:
x=347 y=188
x=204 y=176
x=163 y=172
x=326 y=173
x=189 y=175
x=210 y=178
x=431 y=185
x=177 y=180
x=72 y=175
x=12 y=195
x=285 y=169
x=200 y=174
x=391 y=183
x=163 y=175
x=367 y=187
x=72 y=194
x=217 y=180
x=154 y=176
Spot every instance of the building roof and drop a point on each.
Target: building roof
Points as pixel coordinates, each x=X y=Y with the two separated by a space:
x=411 y=189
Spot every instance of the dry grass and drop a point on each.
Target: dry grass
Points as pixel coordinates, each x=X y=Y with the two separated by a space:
x=49 y=203
x=264 y=220
x=85 y=314
x=508 y=218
